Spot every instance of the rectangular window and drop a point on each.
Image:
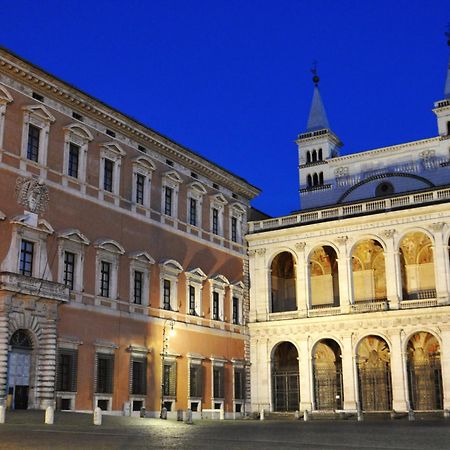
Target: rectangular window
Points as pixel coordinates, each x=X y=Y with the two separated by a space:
x=26 y=258
x=34 y=134
x=74 y=157
x=105 y=279
x=66 y=370
x=234 y=229
x=108 y=175
x=105 y=372
x=69 y=269
x=138 y=376
x=140 y=182
x=218 y=382
x=215 y=306
x=193 y=211
x=196 y=381
x=192 y=300
x=166 y=295
x=138 y=282
x=235 y=310
x=215 y=221
x=170 y=379
x=168 y=194
x=239 y=384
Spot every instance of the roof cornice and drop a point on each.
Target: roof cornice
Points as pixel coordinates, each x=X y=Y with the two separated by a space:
x=35 y=77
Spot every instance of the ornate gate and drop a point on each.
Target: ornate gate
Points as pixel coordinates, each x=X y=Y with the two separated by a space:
x=425 y=386
x=286 y=394
x=375 y=392
x=328 y=388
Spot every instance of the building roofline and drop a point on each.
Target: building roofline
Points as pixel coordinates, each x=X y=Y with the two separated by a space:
x=246 y=189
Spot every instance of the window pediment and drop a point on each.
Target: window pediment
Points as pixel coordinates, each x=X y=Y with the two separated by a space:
x=220 y=280
x=141 y=256
x=145 y=162
x=41 y=111
x=5 y=96
x=29 y=220
x=113 y=150
x=173 y=176
x=238 y=208
x=109 y=245
x=171 y=267
x=238 y=286
x=196 y=274
x=74 y=235
x=79 y=131
x=198 y=187
x=219 y=199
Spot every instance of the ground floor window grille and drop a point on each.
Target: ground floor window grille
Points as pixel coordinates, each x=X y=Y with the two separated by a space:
x=425 y=386
x=239 y=384
x=138 y=376
x=218 y=382
x=170 y=379
x=375 y=391
x=286 y=393
x=105 y=373
x=196 y=381
x=66 y=370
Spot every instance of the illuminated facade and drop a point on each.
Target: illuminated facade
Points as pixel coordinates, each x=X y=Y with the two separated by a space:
x=111 y=235
x=350 y=296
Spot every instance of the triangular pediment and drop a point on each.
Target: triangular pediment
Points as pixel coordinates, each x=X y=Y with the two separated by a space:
x=219 y=199
x=198 y=187
x=171 y=265
x=219 y=279
x=141 y=256
x=74 y=235
x=196 y=273
x=109 y=245
x=43 y=225
x=238 y=207
x=5 y=96
x=40 y=111
x=114 y=148
x=174 y=176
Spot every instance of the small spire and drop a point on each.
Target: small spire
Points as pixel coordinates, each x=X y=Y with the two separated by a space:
x=317 y=119
x=447 y=82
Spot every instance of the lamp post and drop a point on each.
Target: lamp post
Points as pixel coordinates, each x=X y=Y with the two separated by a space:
x=165 y=346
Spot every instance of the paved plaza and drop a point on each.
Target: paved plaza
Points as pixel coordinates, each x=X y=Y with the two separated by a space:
x=26 y=430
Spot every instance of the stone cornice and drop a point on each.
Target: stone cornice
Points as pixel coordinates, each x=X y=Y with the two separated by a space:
x=75 y=99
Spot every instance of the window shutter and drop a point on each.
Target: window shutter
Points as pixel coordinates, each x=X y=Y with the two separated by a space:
x=138 y=378
x=173 y=379
x=74 y=370
x=105 y=373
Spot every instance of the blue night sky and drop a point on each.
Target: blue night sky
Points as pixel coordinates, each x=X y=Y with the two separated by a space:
x=231 y=79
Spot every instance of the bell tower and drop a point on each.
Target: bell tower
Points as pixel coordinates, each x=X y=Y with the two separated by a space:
x=316 y=146
x=442 y=107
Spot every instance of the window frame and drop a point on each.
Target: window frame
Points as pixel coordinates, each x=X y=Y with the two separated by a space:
x=195 y=279
x=170 y=271
x=217 y=206
x=113 y=153
x=196 y=192
x=170 y=180
x=218 y=286
x=142 y=167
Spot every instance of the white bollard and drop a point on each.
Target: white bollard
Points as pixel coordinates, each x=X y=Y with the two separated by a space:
x=97 y=416
x=411 y=415
x=2 y=414
x=446 y=414
x=359 y=415
x=222 y=413
x=188 y=417
x=306 y=415
x=49 y=415
x=261 y=416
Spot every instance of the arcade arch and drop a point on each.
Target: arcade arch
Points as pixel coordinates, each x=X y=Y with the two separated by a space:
x=283 y=281
x=324 y=277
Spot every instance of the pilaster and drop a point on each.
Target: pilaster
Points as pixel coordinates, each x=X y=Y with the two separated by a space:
x=393 y=271
x=445 y=366
x=345 y=282
x=441 y=263
x=399 y=377
x=348 y=374
x=301 y=284
x=305 y=369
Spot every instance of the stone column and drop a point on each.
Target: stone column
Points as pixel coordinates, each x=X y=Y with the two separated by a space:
x=348 y=374
x=445 y=366
x=259 y=287
x=302 y=280
x=260 y=374
x=393 y=270
x=305 y=369
x=400 y=401
x=345 y=275
x=4 y=336
x=441 y=262
x=46 y=366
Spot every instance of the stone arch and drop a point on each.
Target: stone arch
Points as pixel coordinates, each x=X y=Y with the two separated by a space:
x=368 y=271
x=373 y=356
x=423 y=350
x=417 y=265
x=319 y=154
x=285 y=377
x=314 y=155
x=327 y=374
x=315 y=179
x=323 y=276
x=308 y=157
x=283 y=282
x=309 y=180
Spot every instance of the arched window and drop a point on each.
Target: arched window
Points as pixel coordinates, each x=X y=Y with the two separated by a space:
x=384 y=188
x=448 y=128
x=324 y=277
x=320 y=154
x=315 y=180
x=308 y=157
x=321 y=178
x=314 y=156
x=283 y=283
x=309 y=181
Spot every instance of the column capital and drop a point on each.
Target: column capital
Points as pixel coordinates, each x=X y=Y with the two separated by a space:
x=437 y=226
x=300 y=246
x=389 y=233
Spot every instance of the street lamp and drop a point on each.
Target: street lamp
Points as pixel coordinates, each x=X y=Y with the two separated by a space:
x=167 y=334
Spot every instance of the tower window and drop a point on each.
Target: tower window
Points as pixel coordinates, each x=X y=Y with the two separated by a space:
x=308 y=157
x=315 y=180
x=309 y=181
x=321 y=178
x=314 y=156
x=320 y=154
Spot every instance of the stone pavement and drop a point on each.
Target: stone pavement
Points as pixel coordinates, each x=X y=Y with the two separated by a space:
x=26 y=430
